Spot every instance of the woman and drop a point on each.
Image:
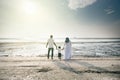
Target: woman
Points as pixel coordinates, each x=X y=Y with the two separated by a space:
x=67 y=47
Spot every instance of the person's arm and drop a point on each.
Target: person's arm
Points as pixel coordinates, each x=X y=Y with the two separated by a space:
x=55 y=45
x=47 y=44
x=63 y=47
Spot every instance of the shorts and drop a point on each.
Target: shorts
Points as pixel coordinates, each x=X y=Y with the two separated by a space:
x=59 y=54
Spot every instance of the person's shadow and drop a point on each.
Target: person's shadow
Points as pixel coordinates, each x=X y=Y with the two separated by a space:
x=65 y=66
x=91 y=68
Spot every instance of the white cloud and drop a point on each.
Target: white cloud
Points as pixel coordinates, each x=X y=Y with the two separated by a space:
x=75 y=4
x=109 y=11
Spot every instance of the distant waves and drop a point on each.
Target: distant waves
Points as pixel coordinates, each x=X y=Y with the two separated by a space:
x=81 y=47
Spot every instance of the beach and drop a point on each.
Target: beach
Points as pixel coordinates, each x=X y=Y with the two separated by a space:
x=92 y=59
x=85 y=32
x=78 y=68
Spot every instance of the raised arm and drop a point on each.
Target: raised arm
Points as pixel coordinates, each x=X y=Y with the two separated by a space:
x=46 y=44
x=63 y=46
x=55 y=45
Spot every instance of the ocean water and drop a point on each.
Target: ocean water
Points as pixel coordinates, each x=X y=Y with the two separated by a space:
x=80 y=46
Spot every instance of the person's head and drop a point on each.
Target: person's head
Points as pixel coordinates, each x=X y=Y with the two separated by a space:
x=51 y=36
x=67 y=40
x=59 y=47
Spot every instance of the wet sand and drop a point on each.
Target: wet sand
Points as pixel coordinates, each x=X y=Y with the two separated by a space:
x=78 y=68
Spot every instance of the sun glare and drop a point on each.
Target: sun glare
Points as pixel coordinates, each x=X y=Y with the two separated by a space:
x=37 y=15
x=30 y=7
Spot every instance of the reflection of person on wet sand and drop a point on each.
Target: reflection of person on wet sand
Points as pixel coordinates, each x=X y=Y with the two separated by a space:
x=51 y=44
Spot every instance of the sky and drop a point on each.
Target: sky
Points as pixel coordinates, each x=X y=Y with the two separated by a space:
x=61 y=18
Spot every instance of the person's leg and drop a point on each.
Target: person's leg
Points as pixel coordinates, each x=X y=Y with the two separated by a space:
x=52 y=53
x=48 y=53
x=59 y=56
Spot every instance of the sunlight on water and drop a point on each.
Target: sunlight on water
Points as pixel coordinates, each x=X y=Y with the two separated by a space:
x=83 y=47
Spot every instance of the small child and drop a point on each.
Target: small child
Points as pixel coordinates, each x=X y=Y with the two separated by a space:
x=59 y=52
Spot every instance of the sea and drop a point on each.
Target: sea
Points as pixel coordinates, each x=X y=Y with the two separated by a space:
x=90 y=47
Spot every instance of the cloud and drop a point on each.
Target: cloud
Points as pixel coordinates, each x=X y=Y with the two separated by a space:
x=75 y=4
x=109 y=11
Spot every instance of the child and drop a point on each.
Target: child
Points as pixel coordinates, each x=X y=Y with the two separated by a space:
x=59 y=52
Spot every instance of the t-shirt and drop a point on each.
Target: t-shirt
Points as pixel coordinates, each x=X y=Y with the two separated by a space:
x=59 y=50
x=50 y=43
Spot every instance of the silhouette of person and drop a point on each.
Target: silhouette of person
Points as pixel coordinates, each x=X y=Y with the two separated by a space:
x=59 y=52
x=67 y=47
x=51 y=44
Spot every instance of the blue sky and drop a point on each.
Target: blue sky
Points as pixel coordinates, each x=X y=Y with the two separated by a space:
x=74 y=18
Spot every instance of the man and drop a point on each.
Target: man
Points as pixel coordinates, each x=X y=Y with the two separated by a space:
x=51 y=44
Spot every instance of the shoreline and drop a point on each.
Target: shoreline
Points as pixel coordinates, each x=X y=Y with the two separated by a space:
x=29 y=58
